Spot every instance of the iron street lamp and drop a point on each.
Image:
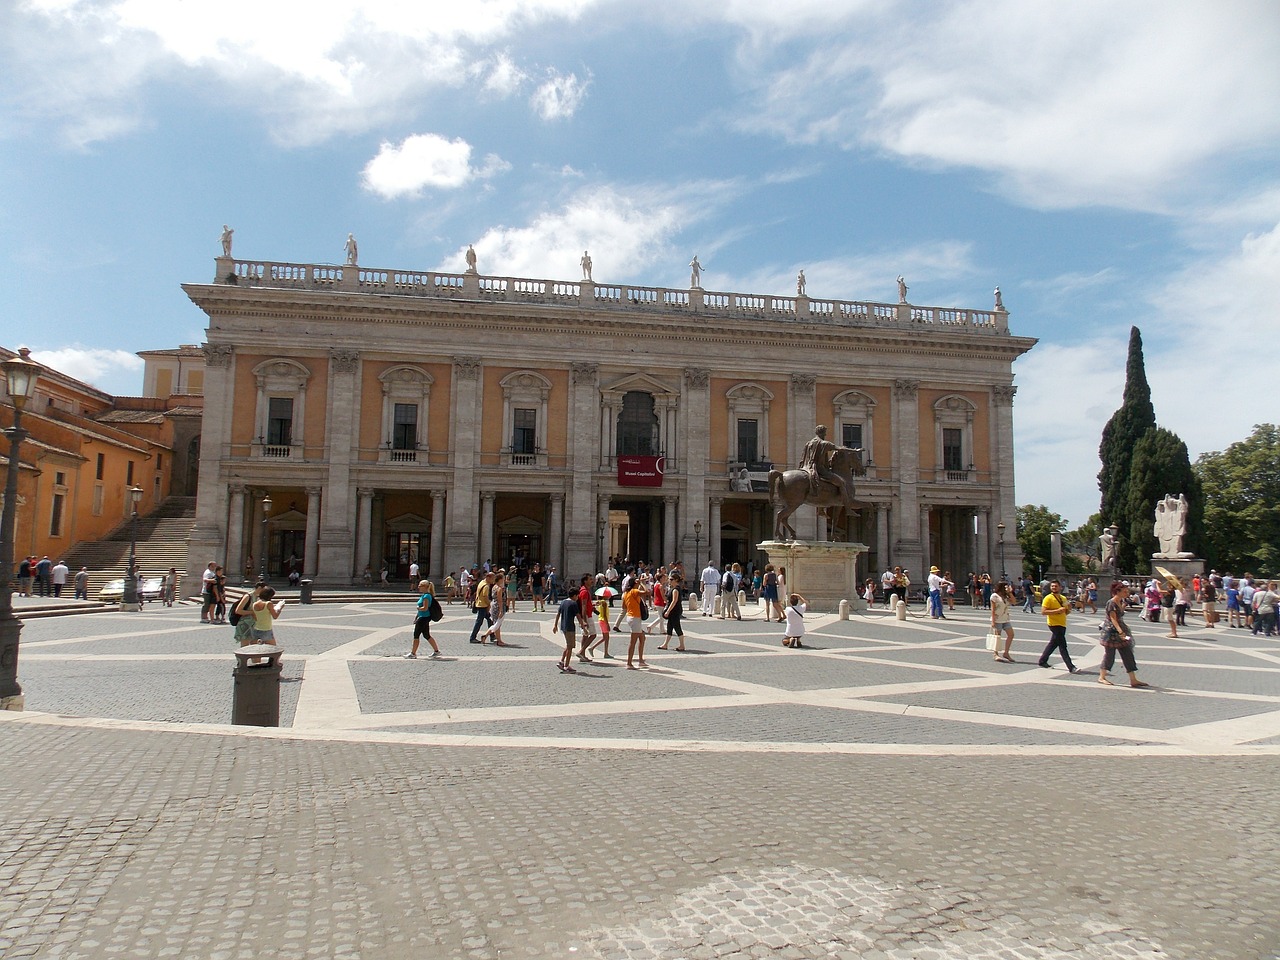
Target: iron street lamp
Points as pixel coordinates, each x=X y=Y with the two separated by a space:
x=129 y=599
x=266 y=512
x=1004 y=575
x=602 y=527
x=20 y=376
x=697 y=549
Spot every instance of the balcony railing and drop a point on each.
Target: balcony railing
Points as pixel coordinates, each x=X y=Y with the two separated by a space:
x=587 y=294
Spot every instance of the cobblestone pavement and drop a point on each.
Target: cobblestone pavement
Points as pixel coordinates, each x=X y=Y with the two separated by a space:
x=887 y=792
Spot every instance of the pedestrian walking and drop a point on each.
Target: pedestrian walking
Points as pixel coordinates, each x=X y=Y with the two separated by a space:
x=729 y=593
x=427 y=610
x=60 y=573
x=568 y=616
x=1118 y=638
x=674 y=611
x=82 y=584
x=1055 y=608
x=710 y=588
x=770 y=594
x=632 y=611
x=1001 y=621
x=497 y=609
x=170 y=586
x=480 y=607
x=602 y=621
x=794 y=615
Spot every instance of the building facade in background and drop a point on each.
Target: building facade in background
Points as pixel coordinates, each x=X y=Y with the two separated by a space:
x=400 y=416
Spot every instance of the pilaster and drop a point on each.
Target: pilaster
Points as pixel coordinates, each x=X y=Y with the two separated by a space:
x=461 y=540
x=311 y=548
x=907 y=550
x=335 y=554
x=437 y=568
x=695 y=402
x=208 y=535
x=584 y=413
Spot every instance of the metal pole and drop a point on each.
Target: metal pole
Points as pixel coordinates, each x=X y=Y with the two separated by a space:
x=10 y=626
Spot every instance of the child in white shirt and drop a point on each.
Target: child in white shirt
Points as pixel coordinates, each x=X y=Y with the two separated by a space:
x=794 y=614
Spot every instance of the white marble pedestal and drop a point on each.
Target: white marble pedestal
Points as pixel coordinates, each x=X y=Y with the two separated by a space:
x=823 y=573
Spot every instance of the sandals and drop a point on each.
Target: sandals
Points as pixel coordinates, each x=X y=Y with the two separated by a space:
x=1103 y=679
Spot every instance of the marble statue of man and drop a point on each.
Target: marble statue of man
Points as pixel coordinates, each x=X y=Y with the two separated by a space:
x=999 y=300
x=353 y=252
x=1108 y=543
x=586 y=265
x=800 y=282
x=471 y=259
x=695 y=275
x=816 y=461
x=902 y=289
x=226 y=240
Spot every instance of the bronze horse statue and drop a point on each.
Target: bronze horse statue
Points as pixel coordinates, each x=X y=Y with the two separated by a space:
x=790 y=490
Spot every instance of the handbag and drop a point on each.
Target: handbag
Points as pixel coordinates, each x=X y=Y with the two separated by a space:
x=1110 y=637
x=993 y=640
x=244 y=630
x=644 y=610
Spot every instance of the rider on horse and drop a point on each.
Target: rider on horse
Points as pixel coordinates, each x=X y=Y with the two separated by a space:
x=816 y=461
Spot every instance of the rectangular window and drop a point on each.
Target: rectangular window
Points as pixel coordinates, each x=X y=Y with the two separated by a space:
x=404 y=427
x=952 y=452
x=159 y=463
x=195 y=383
x=524 y=438
x=102 y=466
x=59 y=479
x=128 y=474
x=851 y=435
x=749 y=441
x=55 y=519
x=280 y=421
x=164 y=383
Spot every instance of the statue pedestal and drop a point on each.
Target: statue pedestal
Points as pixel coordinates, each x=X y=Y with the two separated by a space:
x=1184 y=568
x=823 y=573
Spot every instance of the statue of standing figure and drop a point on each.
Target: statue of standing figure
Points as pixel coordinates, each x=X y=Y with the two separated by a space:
x=586 y=266
x=800 y=283
x=1171 y=525
x=1108 y=544
x=226 y=240
x=353 y=252
x=999 y=300
x=695 y=273
x=902 y=289
x=471 y=259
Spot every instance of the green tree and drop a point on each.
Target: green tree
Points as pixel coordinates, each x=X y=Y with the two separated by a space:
x=1035 y=525
x=1120 y=436
x=1160 y=466
x=1242 y=503
x=1083 y=541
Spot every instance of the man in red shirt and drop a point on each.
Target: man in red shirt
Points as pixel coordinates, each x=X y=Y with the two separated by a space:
x=587 y=606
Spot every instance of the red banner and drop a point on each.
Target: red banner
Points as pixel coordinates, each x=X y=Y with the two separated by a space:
x=641 y=471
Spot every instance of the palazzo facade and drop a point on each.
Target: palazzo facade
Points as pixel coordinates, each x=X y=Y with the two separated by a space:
x=391 y=416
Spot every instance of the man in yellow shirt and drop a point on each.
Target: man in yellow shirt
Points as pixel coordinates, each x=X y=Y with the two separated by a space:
x=1055 y=608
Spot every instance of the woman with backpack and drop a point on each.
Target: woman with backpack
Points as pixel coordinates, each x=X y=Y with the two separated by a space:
x=422 y=620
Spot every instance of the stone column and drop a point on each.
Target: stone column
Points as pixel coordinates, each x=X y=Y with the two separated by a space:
x=802 y=416
x=437 y=568
x=882 y=537
x=461 y=544
x=555 y=535
x=364 y=528
x=926 y=548
x=713 y=535
x=208 y=535
x=982 y=551
x=695 y=404
x=668 y=530
x=584 y=454
x=335 y=554
x=906 y=469
x=484 y=550
x=1006 y=508
x=603 y=543
x=311 y=548
x=235 y=533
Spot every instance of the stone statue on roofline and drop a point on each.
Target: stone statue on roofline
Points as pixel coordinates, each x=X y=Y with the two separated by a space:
x=586 y=266
x=800 y=284
x=902 y=289
x=226 y=240
x=471 y=259
x=695 y=273
x=353 y=252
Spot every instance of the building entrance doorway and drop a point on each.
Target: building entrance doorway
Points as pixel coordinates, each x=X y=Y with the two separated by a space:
x=635 y=528
x=403 y=549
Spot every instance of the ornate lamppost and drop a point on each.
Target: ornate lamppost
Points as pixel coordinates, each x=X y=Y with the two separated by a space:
x=20 y=376
x=1004 y=575
x=697 y=553
x=129 y=599
x=266 y=512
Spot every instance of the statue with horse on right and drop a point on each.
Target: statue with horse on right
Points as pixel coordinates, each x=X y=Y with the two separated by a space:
x=824 y=479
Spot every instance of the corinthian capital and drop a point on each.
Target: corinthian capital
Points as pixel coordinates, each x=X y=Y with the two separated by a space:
x=697 y=377
x=467 y=368
x=1004 y=395
x=905 y=388
x=217 y=354
x=345 y=361
x=584 y=372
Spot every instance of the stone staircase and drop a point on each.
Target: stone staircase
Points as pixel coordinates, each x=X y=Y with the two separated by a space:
x=162 y=543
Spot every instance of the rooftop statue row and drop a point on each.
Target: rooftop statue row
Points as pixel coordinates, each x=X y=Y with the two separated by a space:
x=470 y=284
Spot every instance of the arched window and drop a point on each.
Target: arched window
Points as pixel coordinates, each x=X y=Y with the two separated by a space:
x=637 y=425
x=953 y=438
x=406 y=392
x=282 y=395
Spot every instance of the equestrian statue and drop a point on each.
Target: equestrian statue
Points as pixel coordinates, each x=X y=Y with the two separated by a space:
x=825 y=480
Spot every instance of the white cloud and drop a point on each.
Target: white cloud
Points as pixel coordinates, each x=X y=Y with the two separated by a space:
x=559 y=96
x=313 y=68
x=425 y=160
x=110 y=370
x=627 y=230
x=1066 y=104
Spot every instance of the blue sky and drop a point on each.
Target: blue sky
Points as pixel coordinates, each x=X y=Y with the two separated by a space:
x=1105 y=163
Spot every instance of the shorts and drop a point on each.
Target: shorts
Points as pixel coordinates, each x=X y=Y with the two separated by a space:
x=1001 y=627
x=590 y=629
x=635 y=624
x=264 y=636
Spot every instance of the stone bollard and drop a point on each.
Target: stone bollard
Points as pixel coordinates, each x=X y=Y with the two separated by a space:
x=844 y=609
x=902 y=610
x=715 y=605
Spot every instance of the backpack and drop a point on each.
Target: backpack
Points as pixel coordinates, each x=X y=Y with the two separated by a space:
x=727 y=582
x=437 y=614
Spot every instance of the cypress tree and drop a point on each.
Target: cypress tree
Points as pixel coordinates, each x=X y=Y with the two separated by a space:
x=1120 y=436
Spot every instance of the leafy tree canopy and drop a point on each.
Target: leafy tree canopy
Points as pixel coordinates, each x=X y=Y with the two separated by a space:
x=1241 y=488
x=1035 y=525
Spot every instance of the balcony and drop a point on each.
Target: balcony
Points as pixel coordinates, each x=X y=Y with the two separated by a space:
x=403 y=455
x=536 y=460
x=278 y=451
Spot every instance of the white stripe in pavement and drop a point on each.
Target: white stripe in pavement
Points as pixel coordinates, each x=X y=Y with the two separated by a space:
x=327 y=697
